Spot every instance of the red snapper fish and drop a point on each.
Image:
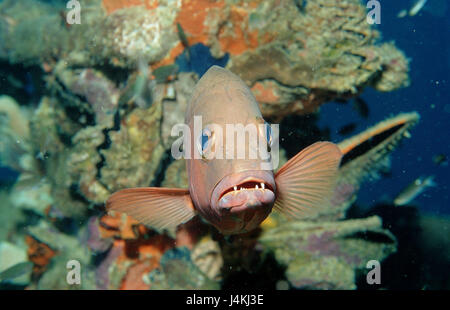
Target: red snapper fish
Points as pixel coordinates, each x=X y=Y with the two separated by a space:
x=235 y=195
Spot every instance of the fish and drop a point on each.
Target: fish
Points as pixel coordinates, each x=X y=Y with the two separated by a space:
x=435 y=7
x=16 y=271
x=402 y=13
x=360 y=106
x=440 y=160
x=165 y=73
x=139 y=88
x=417 y=7
x=413 y=190
x=234 y=195
x=347 y=129
x=184 y=40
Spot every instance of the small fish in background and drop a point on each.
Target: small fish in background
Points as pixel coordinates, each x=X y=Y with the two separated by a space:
x=417 y=7
x=360 y=106
x=402 y=13
x=413 y=190
x=347 y=129
x=15 y=271
x=14 y=81
x=139 y=88
x=436 y=8
x=166 y=73
x=440 y=160
x=183 y=38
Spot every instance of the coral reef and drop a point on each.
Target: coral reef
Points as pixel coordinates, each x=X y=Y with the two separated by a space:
x=325 y=255
x=114 y=87
x=179 y=272
x=364 y=156
x=11 y=255
x=323 y=49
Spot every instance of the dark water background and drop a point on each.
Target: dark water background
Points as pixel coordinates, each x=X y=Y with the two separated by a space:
x=425 y=39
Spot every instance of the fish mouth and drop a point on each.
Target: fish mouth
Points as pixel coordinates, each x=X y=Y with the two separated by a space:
x=248 y=185
x=243 y=191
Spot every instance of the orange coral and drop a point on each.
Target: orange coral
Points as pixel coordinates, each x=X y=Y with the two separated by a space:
x=192 y=18
x=120 y=226
x=238 y=39
x=201 y=20
x=265 y=92
x=134 y=278
x=39 y=253
x=113 y=5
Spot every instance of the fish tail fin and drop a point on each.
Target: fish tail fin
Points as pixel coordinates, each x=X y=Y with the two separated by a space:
x=306 y=182
x=154 y=206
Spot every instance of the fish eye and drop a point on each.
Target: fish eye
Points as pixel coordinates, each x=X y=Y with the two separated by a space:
x=203 y=140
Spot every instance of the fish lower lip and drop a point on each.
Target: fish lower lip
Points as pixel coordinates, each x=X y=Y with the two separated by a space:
x=246 y=198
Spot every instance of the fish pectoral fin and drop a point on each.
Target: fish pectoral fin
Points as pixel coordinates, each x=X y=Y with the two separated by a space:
x=157 y=207
x=305 y=183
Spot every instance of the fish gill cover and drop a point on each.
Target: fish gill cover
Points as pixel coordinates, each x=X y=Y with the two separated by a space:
x=87 y=109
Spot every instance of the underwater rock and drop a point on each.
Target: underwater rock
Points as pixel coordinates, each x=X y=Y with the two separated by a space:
x=134 y=279
x=27 y=19
x=17 y=117
x=50 y=250
x=55 y=278
x=207 y=256
x=142 y=255
x=138 y=250
x=135 y=151
x=175 y=99
x=326 y=255
x=178 y=272
x=15 y=147
x=86 y=91
x=34 y=196
x=49 y=124
x=11 y=255
x=133 y=34
x=82 y=163
x=315 y=53
x=120 y=226
x=95 y=241
x=8 y=224
x=102 y=275
x=176 y=175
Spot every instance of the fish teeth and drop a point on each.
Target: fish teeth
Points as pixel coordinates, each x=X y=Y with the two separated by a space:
x=235 y=188
x=263 y=185
x=256 y=186
x=240 y=188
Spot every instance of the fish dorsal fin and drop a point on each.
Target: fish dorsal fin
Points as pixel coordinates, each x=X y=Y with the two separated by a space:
x=157 y=207
x=305 y=182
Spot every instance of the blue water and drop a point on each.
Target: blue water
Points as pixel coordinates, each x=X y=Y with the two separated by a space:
x=425 y=39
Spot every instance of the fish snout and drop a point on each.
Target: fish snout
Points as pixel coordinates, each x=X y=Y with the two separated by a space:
x=244 y=191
